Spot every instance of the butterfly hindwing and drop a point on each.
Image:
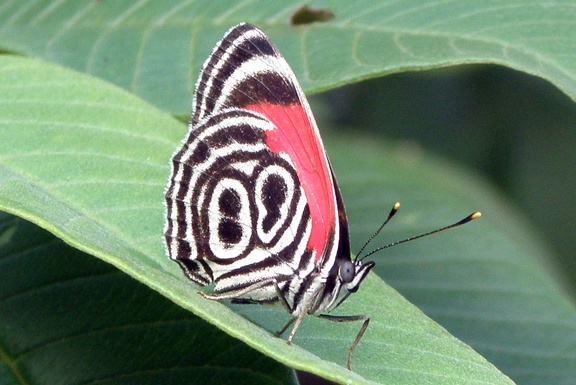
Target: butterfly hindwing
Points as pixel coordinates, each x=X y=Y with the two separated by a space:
x=241 y=210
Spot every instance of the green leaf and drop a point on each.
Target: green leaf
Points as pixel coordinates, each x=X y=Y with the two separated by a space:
x=155 y=49
x=89 y=162
x=68 y=318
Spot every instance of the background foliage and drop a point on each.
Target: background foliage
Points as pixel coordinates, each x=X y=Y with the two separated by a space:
x=88 y=162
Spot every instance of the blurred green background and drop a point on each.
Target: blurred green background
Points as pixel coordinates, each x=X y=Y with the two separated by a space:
x=516 y=130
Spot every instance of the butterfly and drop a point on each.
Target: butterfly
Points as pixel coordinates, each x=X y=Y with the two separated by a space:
x=252 y=204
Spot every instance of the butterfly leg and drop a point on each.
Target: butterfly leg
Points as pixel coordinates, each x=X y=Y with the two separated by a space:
x=282 y=299
x=287 y=306
x=298 y=319
x=294 y=320
x=285 y=327
x=350 y=318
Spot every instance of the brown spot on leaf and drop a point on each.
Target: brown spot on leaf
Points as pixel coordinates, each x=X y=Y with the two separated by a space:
x=308 y=15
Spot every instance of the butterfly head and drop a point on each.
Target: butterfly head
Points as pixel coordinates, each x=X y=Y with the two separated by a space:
x=352 y=273
x=347 y=281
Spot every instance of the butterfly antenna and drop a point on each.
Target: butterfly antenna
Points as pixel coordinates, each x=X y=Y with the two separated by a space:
x=392 y=212
x=469 y=218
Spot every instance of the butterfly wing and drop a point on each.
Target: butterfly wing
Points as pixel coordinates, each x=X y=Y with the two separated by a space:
x=251 y=194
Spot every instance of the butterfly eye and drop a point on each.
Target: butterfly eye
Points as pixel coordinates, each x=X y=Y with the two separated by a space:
x=347 y=272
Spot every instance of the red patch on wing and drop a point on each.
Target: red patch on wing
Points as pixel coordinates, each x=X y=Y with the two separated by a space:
x=296 y=137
